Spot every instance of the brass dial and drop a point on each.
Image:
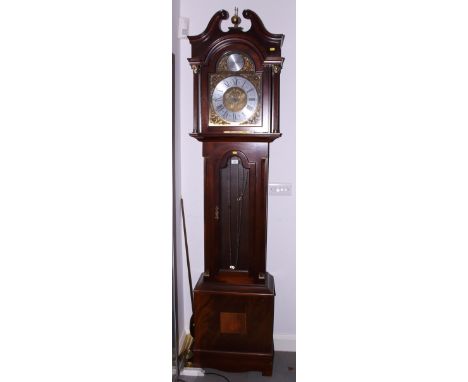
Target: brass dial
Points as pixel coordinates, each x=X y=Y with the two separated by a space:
x=234 y=99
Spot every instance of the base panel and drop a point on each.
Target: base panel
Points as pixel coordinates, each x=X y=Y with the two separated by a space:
x=233 y=328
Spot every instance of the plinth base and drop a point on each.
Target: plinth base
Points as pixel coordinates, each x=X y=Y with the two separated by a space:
x=234 y=326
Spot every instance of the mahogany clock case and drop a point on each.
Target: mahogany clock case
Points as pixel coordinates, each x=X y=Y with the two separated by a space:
x=234 y=297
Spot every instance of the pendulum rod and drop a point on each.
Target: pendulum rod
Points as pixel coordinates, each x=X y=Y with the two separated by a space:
x=239 y=209
x=242 y=178
x=231 y=266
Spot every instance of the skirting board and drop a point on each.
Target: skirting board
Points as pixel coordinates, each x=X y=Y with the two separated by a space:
x=284 y=342
x=192 y=372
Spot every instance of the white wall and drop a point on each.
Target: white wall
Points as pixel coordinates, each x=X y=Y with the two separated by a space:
x=278 y=17
x=180 y=259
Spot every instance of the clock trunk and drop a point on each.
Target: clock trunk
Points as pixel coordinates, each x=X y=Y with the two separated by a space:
x=236 y=179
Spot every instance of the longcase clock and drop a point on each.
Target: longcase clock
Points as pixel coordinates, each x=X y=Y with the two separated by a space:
x=236 y=116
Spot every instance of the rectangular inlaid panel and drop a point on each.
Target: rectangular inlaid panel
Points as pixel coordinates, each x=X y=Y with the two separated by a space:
x=232 y=323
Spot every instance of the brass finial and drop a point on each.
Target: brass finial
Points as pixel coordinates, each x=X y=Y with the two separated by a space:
x=236 y=20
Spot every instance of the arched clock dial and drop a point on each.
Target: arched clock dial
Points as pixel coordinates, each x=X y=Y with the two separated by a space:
x=235 y=99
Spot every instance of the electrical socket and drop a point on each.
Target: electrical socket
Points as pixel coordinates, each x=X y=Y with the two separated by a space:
x=183 y=27
x=279 y=189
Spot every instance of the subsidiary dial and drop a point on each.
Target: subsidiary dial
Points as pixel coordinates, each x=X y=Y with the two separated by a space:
x=235 y=62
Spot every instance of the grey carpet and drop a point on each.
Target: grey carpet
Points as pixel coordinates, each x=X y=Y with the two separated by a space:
x=284 y=370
